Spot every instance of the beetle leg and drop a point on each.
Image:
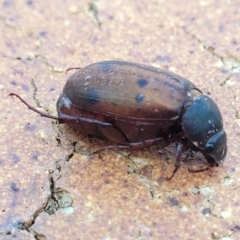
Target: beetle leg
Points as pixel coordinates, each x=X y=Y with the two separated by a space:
x=42 y=114
x=190 y=155
x=200 y=170
x=131 y=146
x=99 y=155
x=178 y=159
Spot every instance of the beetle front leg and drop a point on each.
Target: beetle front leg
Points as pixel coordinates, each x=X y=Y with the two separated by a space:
x=179 y=151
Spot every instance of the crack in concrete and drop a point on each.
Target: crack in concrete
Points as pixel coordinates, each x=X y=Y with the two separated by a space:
x=53 y=68
x=214 y=235
x=52 y=204
x=27 y=226
x=150 y=187
x=7 y=22
x=231 y=63
x=58 y=140
x=209 y=49
x=237 y=115
x=34 y=55
x=38 y=103
x=228 y=78
x=146 y=174
x=58 y=199
x=93 y=9
x=35 y=93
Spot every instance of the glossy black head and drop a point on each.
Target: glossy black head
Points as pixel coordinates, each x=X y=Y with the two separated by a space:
x=203 y=126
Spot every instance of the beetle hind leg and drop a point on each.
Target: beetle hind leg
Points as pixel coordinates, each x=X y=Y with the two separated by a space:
x=42 y=114
x=130 y=146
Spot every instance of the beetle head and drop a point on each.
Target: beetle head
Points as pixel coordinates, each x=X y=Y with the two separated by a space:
x=203 y=126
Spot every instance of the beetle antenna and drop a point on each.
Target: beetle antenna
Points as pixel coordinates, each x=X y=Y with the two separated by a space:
x=72 y=68
x=42 y=114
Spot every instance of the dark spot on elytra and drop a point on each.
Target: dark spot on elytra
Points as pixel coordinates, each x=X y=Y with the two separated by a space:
x=14 y=187
x=142 y=82
x=106 y=67
x=140 y=97
x=92 y=96
x=15 y=158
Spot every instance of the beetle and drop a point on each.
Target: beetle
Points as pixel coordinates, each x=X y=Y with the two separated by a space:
x=134 y=105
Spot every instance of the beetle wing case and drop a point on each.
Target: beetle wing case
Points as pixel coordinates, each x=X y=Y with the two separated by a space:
x=139 y=101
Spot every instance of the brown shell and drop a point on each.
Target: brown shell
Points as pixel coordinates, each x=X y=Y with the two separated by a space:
x=138 y=102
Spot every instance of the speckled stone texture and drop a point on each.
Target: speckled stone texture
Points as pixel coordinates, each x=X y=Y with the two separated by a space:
x=51 y=185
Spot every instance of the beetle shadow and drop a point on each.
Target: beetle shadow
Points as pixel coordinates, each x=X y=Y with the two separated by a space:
x=86 y=145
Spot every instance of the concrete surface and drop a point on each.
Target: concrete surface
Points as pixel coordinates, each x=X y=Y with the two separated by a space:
x=51 y=185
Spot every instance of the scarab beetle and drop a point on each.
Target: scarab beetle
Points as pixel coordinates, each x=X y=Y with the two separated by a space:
x=135 y=105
